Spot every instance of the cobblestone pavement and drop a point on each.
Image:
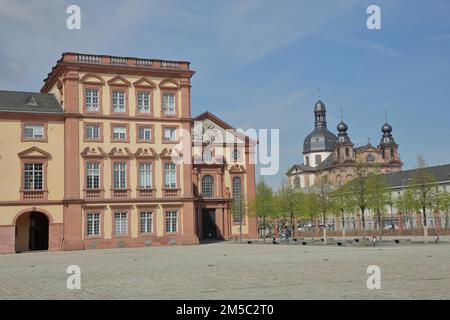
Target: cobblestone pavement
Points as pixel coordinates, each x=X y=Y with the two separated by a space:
x=231 y=271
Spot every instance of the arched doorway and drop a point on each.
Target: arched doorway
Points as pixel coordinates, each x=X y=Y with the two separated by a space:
x=32 y=231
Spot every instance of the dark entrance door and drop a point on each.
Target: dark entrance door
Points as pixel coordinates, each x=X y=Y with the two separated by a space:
x=38 y=231
x=209 y=224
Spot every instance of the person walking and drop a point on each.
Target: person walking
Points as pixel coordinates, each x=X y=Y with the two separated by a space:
x=436 y=235
x=374 y=241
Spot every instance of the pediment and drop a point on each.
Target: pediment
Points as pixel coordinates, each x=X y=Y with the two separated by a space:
x=144 y=83
x=120 y=153
x=237 y=169
x=91 y=78
x=169 y=84
x=93 y=153
x=119 y=81
x=148 y=153
x=35 y=153
x=168 y=153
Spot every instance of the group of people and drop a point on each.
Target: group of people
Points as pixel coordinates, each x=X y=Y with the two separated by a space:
x=374 y=239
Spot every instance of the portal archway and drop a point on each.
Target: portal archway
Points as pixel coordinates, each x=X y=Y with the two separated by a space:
x=32 y=231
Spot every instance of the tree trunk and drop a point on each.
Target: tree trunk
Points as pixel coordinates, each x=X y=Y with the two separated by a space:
x=446 y=220
x=363 y=220
x=425 y=228
x=379 y=225
x=264 y=228
x=343 y=227
x=324 y=230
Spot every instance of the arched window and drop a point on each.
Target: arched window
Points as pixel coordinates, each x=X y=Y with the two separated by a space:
x=207 y=156
x=392 y=154
x=208 y=187
x=297 y=182
x=237 y=198
x=347 y=152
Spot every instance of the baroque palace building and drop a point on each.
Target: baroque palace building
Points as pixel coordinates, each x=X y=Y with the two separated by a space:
x=104 y=156
x=335 y=157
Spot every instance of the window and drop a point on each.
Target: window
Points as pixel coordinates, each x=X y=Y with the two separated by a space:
x=347 y=152
x=170 y=174
x=171 y=221
x=146 y=222
x=92 y=104
x=392 y=154
x=34 y=131
x=120 y=169
x=92 y=131
x=307 y=160
x=207 y=156
x=93 y=224
x=145 y=175
x=119 y=133
x=118 y=101
x=208 y=187
x=120 y=223
x=236 y=154
x=297 y=182
x=92 y=175
x=145 y=134
x=170 y=134
x=318 y=159
x=143 y=102
x=169 y=104
x=237 y=198
x=33 y=176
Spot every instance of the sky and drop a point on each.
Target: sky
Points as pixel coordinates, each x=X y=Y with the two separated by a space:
x=260 y=64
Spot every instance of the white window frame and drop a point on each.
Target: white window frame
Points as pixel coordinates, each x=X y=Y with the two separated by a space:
x=35 y=176
x=120 y=175
x=120 y=223
x=146 y=222
x=171 y=221
x=143 y=102
x=145 y=175
x=169 y=103
x=92 y=100
x=37 y=131
x=118 y=132
x=92 y=131
x=170 y=134
x=92 y=171
x=93 y=224
x=119 y=101
x=143 y=132
x=170 y=175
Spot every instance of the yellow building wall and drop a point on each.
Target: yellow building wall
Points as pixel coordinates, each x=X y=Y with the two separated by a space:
x=10 y=140
x=7 y=213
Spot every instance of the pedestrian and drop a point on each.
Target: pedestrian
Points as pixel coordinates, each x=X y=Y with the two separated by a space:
x=374 y=240
x=436 y=235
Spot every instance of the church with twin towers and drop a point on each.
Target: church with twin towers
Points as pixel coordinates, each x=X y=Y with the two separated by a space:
x=335 y=157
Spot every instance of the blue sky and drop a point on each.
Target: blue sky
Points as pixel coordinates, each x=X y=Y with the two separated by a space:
x=259 y=63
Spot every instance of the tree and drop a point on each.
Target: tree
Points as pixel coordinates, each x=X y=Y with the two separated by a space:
x=238 y=210
x=342 y=203
x=309 y=208
x=422 y=182
x=324 y=202
x=444 y=204
x=358 y=190
x=377 y=196
x=264 y=204
x=289 y=204
x=406 y=204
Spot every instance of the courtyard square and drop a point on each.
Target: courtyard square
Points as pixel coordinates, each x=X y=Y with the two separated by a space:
x=231 y=271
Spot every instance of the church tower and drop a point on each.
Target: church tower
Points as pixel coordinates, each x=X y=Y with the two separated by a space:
x=388 y=147
x=344 y=147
